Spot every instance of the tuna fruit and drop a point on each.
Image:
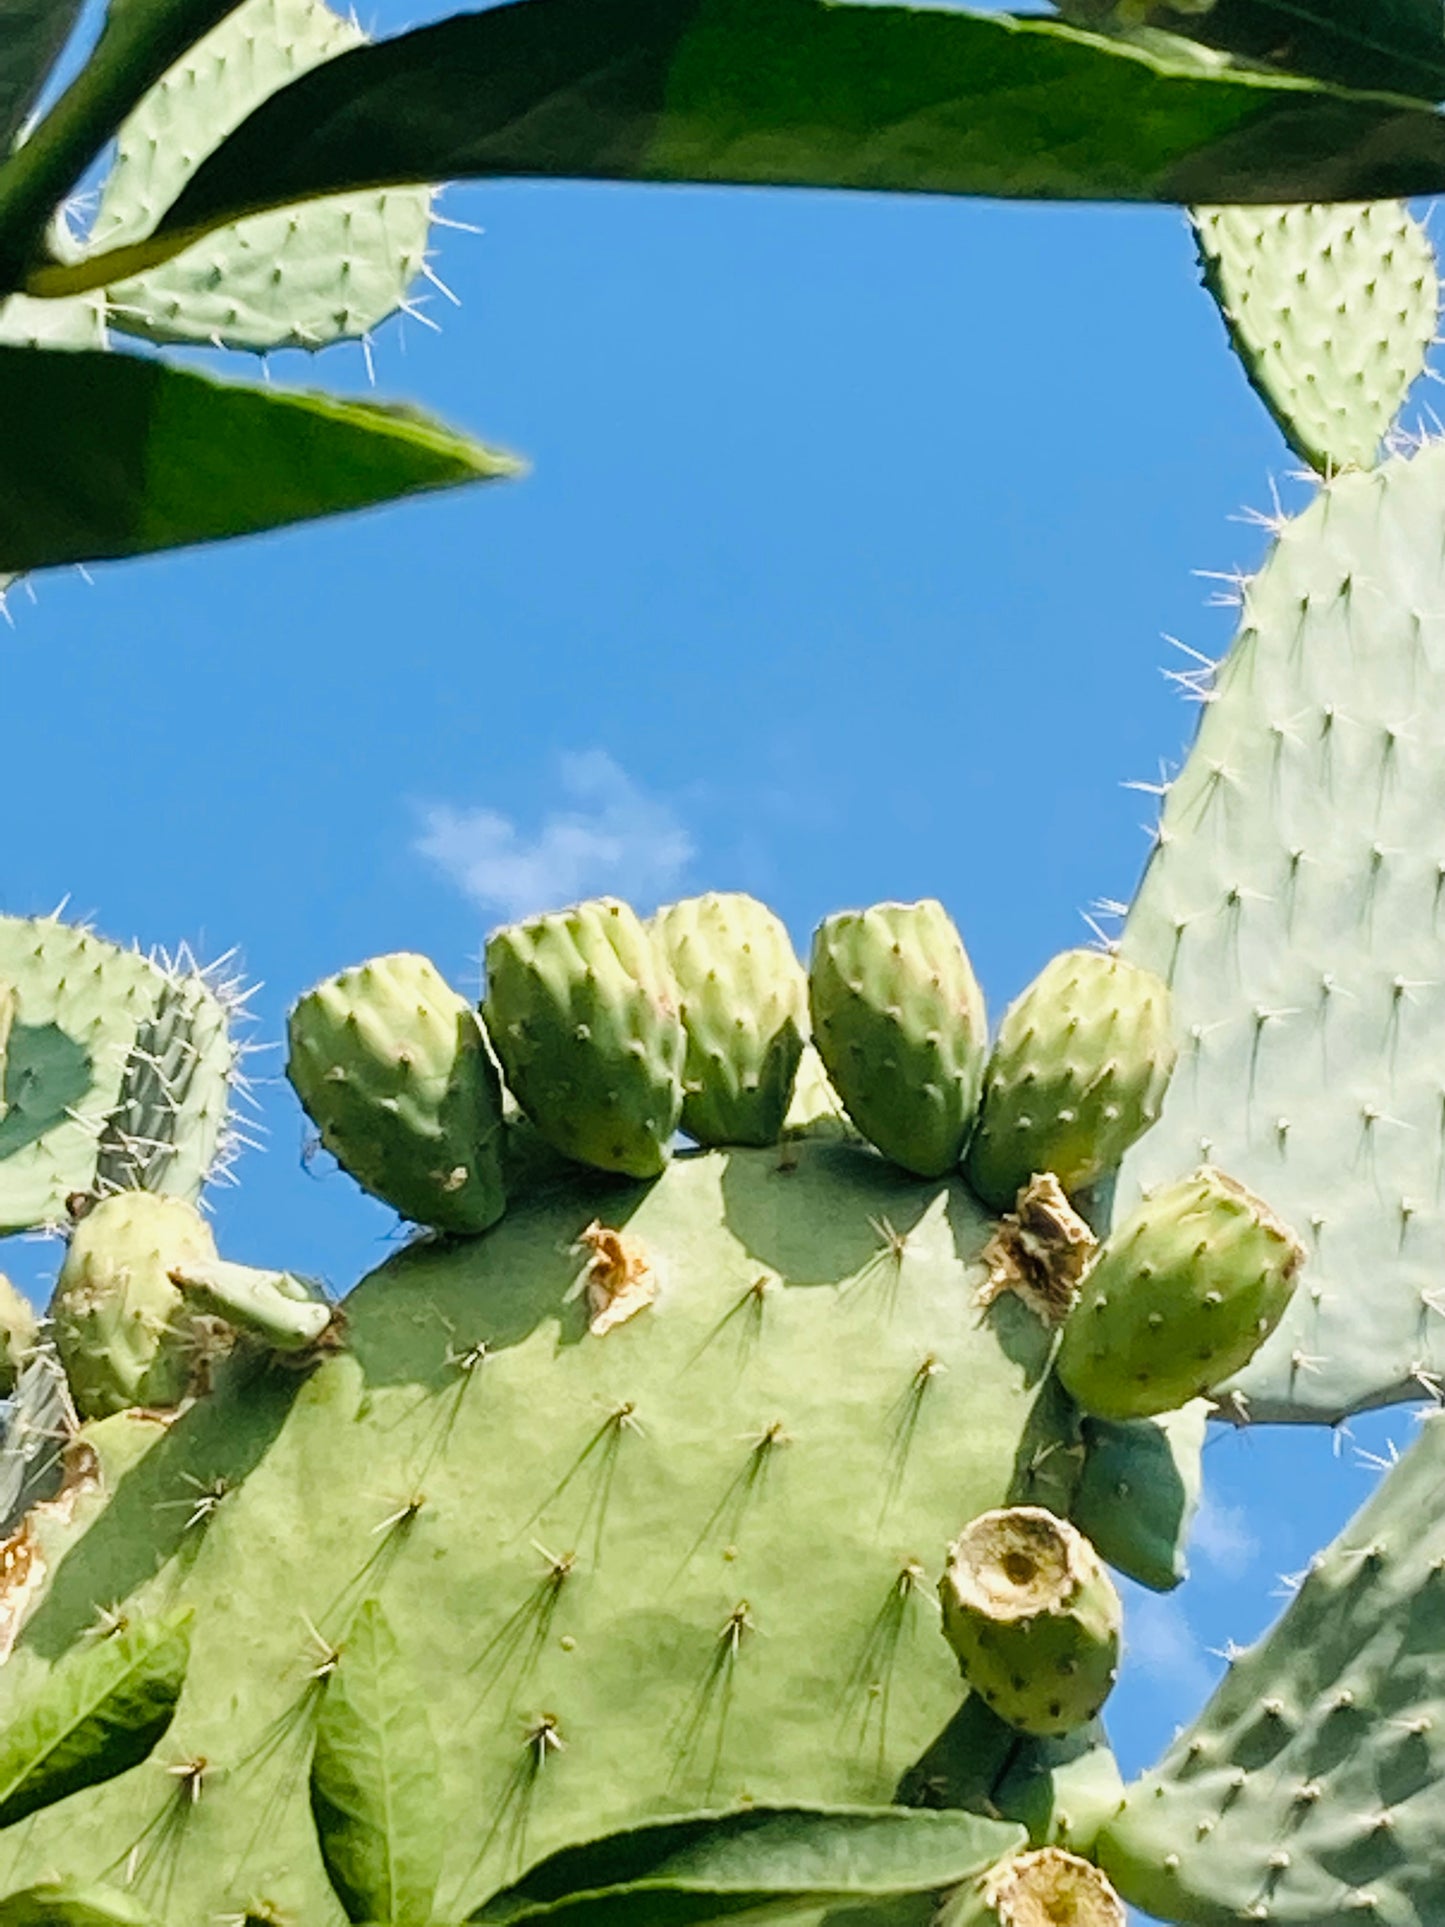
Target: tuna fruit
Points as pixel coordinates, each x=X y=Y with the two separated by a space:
x=899 y=1022
x=582 y=1012
x=1033 y=1617
x=1078 y=1072
x=391 y=1065
x=1181 y=1295
x=743 y=998
x=122 y=1328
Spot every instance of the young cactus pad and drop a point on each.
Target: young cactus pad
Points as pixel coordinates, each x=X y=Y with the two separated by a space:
x=299 y=278
x=899 y=1022
x=743 y=997
x=1078 y=1072
x=1307 y=1793
x=1331 y=310
x=1181 y=1294
x=1033 y=1617
x=582 y=1011
x=392 y=1068
x=687 y=1563
x=1295 y=902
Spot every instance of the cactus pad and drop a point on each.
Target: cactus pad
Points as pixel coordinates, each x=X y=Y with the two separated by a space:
x=1307 y=1794
x=899 y=1022
x=297 y=278
x=1078 y=1071
x=582 y=1011
x=743 y=997
x=642 y=1572
x=391 y=1066
x=1331 y=310
x=1295 y=902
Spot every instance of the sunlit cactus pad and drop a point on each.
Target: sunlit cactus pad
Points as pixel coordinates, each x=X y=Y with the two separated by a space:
x=681 y=1555
x=1331 y=310
x=298 y=278
x=1295 y=901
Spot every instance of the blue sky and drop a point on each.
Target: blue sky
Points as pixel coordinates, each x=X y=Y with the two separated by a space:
x=854 y=533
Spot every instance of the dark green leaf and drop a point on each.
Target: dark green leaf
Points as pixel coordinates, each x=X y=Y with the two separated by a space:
x=705 y=1868
x=793 y=92
x=1394 y=44
x=375 y=1779
x=32 y=33
x=107 y=455
x=98 y=1713
x=72 y=1903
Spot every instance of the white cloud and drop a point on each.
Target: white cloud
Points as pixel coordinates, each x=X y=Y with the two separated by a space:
x=1221 y=1538
x=1160 y=1641
x=614 y=840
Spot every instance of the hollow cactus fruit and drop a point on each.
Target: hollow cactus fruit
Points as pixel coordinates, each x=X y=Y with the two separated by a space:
x=743 y=997
x=899 y=1022
x=1033 y=1617
x=392 y=1068
x=1047 y=1888
x=1181 y=1295
x=582 y=1012
x=122 y=1328
x=1077 y=1073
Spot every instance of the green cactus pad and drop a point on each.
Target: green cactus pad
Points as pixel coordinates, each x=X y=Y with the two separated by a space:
x=743 y=997
x=1033 y=1617
x=392 y=1068
x=1307 y=1793
x=299 y=278
x=122 y=1328
x=1181 y=1295
x=683 y=1564
x=1078 y=1072
x=1295 y=903
x=582 y=1011
x=76 y=322
x=899 y=1022
x=1331 y=310
x=1139 y=1491
x=79 y=1002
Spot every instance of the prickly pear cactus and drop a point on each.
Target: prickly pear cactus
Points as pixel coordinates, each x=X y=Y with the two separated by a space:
x=299 y=278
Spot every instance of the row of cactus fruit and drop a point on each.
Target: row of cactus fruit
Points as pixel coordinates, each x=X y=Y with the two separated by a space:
x=710 y=1510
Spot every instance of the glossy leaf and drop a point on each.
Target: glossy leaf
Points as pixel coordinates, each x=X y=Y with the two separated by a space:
x=375 y=1779
x=107 y=455
x=97 y=1714
x=32 y=33
x=710 y=1866
x=793 y=92
x=72 y=1903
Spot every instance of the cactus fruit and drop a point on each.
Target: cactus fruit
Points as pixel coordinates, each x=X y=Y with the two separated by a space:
x=582 y=1012
x=121 y=1327
x=1307 y=1793
x=899 y=1022
x=1033 y=1617
x=743 y=998
x=1046 y=1888
x=1077 y=1073
x=18 y=1325
x=298 y=278
x=393 y=1070
x=1287 y=278
x=1181 y=1294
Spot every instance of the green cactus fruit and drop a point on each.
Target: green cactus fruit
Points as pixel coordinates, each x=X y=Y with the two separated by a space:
x=299 y=278
x=1331 y=310
x=392 y=1068
x=18 y=1325
x=1181 y=1294
x=899 y=1022
x=582 y=1011
x=1033 y=1617
x=635 y=1566
x=1078 y=1072
x=122 y=1328
x=743 y=997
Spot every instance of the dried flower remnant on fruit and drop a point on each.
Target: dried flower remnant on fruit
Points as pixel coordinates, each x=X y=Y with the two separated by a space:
x=1040 y=1250
x=1052 y=1888
x=620 y=1279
